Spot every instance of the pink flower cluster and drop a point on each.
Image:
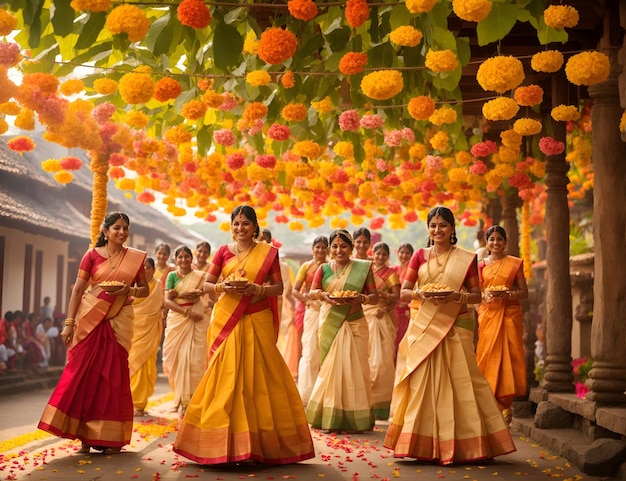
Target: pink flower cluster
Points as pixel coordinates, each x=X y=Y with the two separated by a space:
x=103 y=112
x=394 y=138
x=279 y=132
x=9 y=54
x=550 y=146
x=519 y=180
x=224 y=137
x=300 y=182
x=483 y=149
x=235 y=161
x=372 y=121
x=382 y=165
x=349 y=120
x=434 y=162
x=116 y=160
x=229 y=103
x=267 y=161
x=478 y=168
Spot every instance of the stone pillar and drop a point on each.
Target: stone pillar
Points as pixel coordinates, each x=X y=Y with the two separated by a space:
x=558 y=328
x=607 y=378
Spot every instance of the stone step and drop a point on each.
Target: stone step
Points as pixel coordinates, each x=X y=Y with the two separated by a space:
x=15 y=382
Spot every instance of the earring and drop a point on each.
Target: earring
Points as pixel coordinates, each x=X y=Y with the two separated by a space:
x=453 y=239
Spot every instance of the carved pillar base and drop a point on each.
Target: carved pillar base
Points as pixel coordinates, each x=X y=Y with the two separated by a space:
x=606 y=383
x=559 y=376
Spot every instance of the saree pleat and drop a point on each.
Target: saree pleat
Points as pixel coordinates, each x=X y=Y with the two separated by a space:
x=309 y=366
x=247 y=406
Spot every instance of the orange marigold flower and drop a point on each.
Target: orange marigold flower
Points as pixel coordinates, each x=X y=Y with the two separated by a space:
x=382 y=84
x=194 y=110
x=441 y=61
x=10 y=108
x=588 y=68
x=212 y=99
x=105 y=86
x=21 y=143
x=287 y=80
x=254 y=110
x=71 y=87
x=25 y=120
x=178 y=135
x=130 y=20
x=205 y=84
x=421 y=108
x=420 y=6
x=3 y=126
x=307 y=148
x=294 y=112
x=194 y=13
x=277 y=45
x=548 y=61
x=529 y=95
x=136 y=119
x=324 y=106
x=561 y=16
x=63 y=177
x=357 y=11
x=302 y=9
x=352 y=63
x=472 y=10
x=91 y=5
x=166 y=88
x=7 y=22
x=500 y=73
x=136 y=87
x=46 y=83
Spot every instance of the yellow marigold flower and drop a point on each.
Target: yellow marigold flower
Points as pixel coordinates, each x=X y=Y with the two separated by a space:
x=91 y=5
x=417 y=151
x=500 y=73
x=105 y=86
x=10 y=108
x=324 y=106
x=560 y=16
x=526 y=126
x=51 y=165
x=421 y=108
x=212 y=99
x=508 y=155
x=277 y=45
x=338 y=223
x=420 y=6
x=501 y=108
x=510 y=138
x=549 y=61
x=406 y=36
x=443 y=115
x=344 y=149
x=538 y=169
x=287 y=80
x=130 y=20
x=456 y=174
x=194 y=110
x=71 y=87
x=136 y=87
x=136 y=119
x=7 y=22
x=441 y=61
x=178 y=135
x=63 y=177
x=296 y=225
x=307 y=148
x=622 y=123
x=25 y=120
x=563 y=113
x=253 y=111
x=588 y=68
x=504 y=170
x=440 y=140
x=463 y=158
x=251 y=44
x=382 y=84
x=258 y=78
x=294 y=112
x=472 y=10
x=529 y=95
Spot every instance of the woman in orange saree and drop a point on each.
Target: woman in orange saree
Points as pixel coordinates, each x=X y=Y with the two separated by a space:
x=381 y=322
x=146 y=339
x=247 y=407
x=309 y=366
x=500 y=348
x=444 y=410
x=341 y=399
x=92 y=401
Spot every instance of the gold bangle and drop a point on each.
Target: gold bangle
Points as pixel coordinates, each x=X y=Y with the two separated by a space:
x=320 y=295
x=69 y=321
x=415 y=295
x=218 y=288
x=512 y=295
x=262 y=290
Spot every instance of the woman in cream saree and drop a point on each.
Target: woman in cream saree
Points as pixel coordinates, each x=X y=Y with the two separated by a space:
x=247 y=407
x=341 y=399
x=444 y=410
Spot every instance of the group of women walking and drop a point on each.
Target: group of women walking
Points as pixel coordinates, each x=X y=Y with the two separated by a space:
x=377 y=343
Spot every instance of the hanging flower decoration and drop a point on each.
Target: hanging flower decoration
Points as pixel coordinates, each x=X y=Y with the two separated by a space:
x=357 y=11
x=25 y=120
x=382 y=84
x=349 y=120
x=472 y=10
x=294 y=112
x=146 y=197
x=550 y=146
x=51 y=165
x=130 y=20
x=137 y=87
x=527 y=126
x=71 y=163
x=441 y=61
x=224 y=137
x=194 y=110
x=565 y=113
x=21 y=144
x=549 y=61
x=406 y=36
x=588 y=68
x=352 y=63
x=561 y=16
x=501 y=108
x=10 y=54
x=302 y=9
x=166 y=88
x=63 y=177
x=528 y=95
x=443 y=115
x=622 y=122
x=277 y=45
x=194 y=14
x=421 y=108
x=258 y=78
x=7 y=22
x=91 y=5
x=420 y=6
x=500 y=73
x=484 y=149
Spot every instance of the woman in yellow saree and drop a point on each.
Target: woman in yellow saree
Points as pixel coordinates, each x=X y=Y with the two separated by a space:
x=500 y=349
x=247 y=407
x=444 y=410
x=146 y=339
x=185 y=343
x=92 y=401
x=381 y=321
x=341 y=399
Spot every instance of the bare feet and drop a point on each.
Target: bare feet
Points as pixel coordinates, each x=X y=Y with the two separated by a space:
x=84 y=449
x=139 y=413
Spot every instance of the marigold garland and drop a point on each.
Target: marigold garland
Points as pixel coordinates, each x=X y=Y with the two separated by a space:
x=352 y=63
x=500 y=73
x=406 y=36
x=382 y=84
x=561 y=16
x=420 y=6
x=622 y=122
x=357 y=11
x=528 y=95
x=501 y=108
x=526 y=244
x=277 y=45
x=588 y=68
x=105 y=86
x=99 y=165
x=441 y=61
x=527 y=126
x=136 y=87
x=472 y=10
x=549 y=61
x=565 y=113
x=254 y=110
x=294 y=112
x=194 y=14
x=194 y=110
x=421 y=108
x=130 y=20
x=167 y=88
x=302 y=9
x=91 y=5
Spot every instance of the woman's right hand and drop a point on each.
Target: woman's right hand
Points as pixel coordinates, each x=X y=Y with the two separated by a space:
x=67 y=334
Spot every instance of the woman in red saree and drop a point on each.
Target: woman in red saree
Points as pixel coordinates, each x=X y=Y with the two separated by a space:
x=403 y=311
x=381 y=322
x=309 y=309
x=500 y=348
x=341 y=399
x=247 y=407
x=444 y=409
x=92 y=401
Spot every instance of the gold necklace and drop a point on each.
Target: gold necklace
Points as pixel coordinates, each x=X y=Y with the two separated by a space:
x=443 y=270
x=437 y=256
x=109 y=256
x=340 y=272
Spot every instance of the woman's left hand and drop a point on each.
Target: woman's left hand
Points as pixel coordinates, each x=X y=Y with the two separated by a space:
x=451 y=297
